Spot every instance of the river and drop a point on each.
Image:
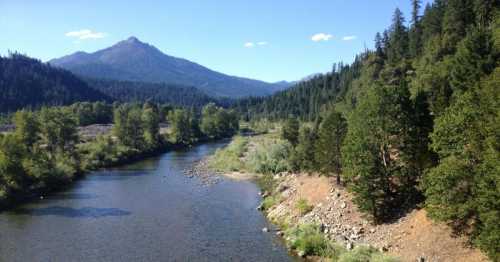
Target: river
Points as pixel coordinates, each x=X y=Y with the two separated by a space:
x=146 y=211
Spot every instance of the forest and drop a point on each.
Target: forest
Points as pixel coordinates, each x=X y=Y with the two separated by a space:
x=45 y=152
x=413 y=123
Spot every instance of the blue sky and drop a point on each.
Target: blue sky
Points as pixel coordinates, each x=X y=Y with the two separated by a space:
x=269 y=40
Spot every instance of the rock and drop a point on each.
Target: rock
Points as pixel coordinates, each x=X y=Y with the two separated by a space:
x=343 y=205
x=281 y=188
x=385 y=248
x=372 y=230
x=301 y=253
x=265 y=230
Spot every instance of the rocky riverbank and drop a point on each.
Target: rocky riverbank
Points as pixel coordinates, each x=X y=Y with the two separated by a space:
x=412 y=237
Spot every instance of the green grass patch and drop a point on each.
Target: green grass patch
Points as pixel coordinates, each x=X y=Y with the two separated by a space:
x=228 y=159
x=303 y=206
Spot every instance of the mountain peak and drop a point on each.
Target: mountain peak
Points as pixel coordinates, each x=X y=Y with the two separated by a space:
x=133 y=39
x=133 y=60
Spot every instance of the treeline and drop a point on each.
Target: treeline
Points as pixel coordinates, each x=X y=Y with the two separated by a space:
x=413 y=122
x=45 y=152
x=127 y=91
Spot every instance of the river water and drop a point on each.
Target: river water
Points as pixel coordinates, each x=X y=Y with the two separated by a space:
x=146 y=211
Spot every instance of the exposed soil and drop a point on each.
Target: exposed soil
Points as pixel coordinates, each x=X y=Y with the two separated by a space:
x=411 y=238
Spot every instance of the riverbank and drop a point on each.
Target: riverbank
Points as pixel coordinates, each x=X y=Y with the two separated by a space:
x=318 y=219
x=121 y=157
x=145 y=211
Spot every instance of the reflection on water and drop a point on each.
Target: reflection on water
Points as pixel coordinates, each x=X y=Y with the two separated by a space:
x=84 y=212
x=147 y=211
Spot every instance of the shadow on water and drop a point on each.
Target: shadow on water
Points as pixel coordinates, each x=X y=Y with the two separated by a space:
x=84 y=212
x=72 y=196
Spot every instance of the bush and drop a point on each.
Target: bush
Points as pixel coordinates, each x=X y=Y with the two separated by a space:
x=270 y=158
x=308 y=239
x=365 y=254
x=270 y=201
x=303 y=207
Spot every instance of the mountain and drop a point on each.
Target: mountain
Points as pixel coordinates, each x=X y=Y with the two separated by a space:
x=29 y=83
x=133 y=60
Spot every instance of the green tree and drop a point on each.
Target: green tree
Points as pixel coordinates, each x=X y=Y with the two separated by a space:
x=58 y=130
x=463 y=188
x=209 y=121
x=377 y=151
x=26 y=128
x=474 y=59
x=398 y=41
x=415 y=34
x=151 y=125
x=183 y=127
x=458 y=16
x=128 y=126
x=290 y=130
x=12 y=176
x=303 y=157
x=328 y=146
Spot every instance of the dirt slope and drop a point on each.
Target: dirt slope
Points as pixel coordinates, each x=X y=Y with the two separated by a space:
x=410 y=238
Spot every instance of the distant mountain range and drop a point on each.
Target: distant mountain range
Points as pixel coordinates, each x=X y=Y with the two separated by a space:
x=133 y=60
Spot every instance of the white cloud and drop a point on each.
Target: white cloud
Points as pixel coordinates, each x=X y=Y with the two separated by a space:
x=321 y=37
x=349 y=37
x=262 y=43
x=85 y=34
x=249 y=44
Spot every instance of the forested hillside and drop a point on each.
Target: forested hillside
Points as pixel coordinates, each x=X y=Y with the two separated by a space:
x=28 y=83
x=422 y=119
x=126 y=91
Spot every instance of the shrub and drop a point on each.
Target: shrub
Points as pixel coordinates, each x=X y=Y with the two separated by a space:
x=365 y=254
x=308 y=239
x=270 y=158
x=270 y=201
x=303 y=207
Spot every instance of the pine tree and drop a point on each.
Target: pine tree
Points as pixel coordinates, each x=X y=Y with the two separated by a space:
x=463 y=188
x=458 y=16
x=328 y=146
x=415 y=35
x=398 y=38
x=474 y=59
x=290 y=130
x=378 y=151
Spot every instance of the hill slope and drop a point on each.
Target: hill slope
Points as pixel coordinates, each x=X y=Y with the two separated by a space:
x=128 y=91
x=133 y=60
x=26 y=82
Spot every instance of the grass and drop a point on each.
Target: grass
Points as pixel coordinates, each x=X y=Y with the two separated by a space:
x=308 y=240
x=228 y=159
x=303 y=206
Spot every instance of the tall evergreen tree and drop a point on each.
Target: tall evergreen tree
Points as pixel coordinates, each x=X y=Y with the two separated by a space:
x=415 y=35
x=328 y=146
